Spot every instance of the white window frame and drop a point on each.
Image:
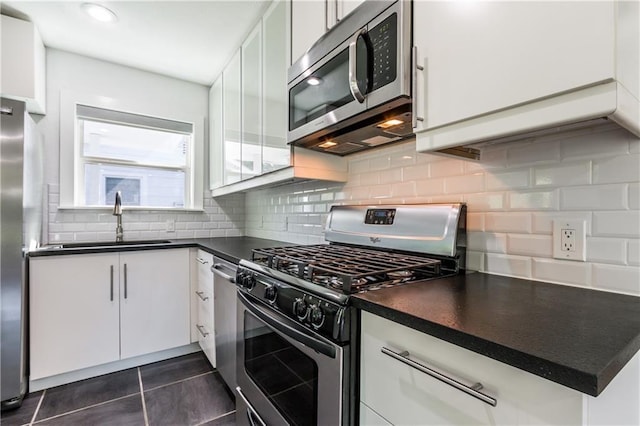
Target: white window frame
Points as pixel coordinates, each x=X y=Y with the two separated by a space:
x=72 y=169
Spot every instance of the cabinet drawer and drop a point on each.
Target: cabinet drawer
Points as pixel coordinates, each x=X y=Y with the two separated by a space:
x=403 y=394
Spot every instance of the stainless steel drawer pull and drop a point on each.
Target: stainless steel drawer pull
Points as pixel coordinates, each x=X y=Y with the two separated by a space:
x=473 y=390
x=200 y=295
x=111 y=290
x=200 y=328
x=204 y=262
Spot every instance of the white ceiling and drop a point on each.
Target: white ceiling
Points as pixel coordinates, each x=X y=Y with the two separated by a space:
x=190 y=40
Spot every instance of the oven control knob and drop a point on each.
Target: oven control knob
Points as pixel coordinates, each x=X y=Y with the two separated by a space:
x=248 y=280
x=300 y=308
x=270 y=293
x=317 y=316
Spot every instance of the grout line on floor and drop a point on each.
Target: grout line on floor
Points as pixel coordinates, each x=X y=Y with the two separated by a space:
x=216 y=418
x=144 y=406
x=84 y=408
x=33 y=418
x=180 y=381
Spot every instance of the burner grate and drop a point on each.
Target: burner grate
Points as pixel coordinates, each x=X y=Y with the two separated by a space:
x=345 y=267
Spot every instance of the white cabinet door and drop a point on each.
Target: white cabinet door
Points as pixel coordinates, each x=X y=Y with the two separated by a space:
x=154 y=301
x=216 y=135
x=402 y=394
x=481 y=57
x=252 y=104
x=73 y=312
x=308 y=24
x=231 y=99
x=22 y=63
x=275 y=41
x=205 y=325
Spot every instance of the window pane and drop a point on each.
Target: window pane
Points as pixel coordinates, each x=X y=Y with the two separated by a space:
x=140 y=186
x=138 y=144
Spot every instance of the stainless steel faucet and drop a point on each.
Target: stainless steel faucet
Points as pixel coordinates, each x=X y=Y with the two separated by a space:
x=117 y=211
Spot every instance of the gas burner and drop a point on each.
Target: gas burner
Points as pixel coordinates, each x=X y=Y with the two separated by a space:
x=321 y=279
x=400 y=275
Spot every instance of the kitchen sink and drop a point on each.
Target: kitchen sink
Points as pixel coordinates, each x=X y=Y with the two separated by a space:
x=98 y=244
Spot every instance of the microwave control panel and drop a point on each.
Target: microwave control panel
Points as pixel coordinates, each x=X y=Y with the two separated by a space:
x=384 y=43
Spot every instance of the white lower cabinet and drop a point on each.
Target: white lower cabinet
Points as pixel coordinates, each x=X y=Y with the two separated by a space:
x=204 y=324
x=403 y=394
x=88 y=310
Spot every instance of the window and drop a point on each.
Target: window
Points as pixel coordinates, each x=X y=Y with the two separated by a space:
x=148 y=159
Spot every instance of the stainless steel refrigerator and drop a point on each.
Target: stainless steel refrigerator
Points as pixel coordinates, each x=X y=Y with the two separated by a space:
x=21 y=171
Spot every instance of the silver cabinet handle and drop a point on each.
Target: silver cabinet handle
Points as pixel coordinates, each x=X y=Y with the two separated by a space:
x=473 y=390
x=414 y=87
x=200 y=328
x=125 y=280
x=202 y=261
x=215 y=268
x=353 y=78
x=252 y=414
x=200 y=295
x=111 y=280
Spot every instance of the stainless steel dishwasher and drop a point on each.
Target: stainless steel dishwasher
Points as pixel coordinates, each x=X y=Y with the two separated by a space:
x=225 y=308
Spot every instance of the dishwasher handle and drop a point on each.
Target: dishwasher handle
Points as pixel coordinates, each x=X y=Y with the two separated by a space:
x=473 y=390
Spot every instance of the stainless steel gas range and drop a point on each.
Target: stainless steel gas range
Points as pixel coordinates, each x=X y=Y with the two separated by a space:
x=298 y=334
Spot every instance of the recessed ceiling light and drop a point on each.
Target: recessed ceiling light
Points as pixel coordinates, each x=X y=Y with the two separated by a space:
x=99 y=12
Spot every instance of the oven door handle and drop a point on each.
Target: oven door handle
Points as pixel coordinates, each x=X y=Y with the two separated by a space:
x=300 y=335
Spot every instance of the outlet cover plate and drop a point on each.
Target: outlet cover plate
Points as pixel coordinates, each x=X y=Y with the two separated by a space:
x=579 y=251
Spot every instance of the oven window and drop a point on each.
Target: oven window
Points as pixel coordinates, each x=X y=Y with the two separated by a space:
x=285 y=375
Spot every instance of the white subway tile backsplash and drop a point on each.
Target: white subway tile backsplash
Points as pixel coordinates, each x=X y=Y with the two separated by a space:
x=563 y=174
x=594 y=197
x=534 y=152
x=543 y=221
x=624 y=168
x=530 y=245
x=485 y=201
x=502 y=264
x=446 y=168
x=508 y=180
x=487 y=242
x=617 y=278
x=390 y=176
x=606 y=250
x=475 y=221
x=475 y=261
x=508 y=222
x=634 y=145
x=381 y=162
x=633 y=252
x=634 y=196
x=624 y=224
x=417 y=172
x=534 y=200
x=563 y=271
x=430 y=186
x=464 y=184
x=403 y=190
x=600 y=142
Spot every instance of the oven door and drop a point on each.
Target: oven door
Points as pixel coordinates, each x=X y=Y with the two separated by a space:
x=286 y=373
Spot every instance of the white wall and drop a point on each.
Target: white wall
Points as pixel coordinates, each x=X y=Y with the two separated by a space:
x=512 y=196
x=135 y=91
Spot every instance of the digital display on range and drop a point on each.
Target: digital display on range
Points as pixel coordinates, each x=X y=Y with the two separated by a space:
x=380 y=216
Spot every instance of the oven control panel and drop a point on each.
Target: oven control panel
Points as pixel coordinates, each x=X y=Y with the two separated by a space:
x=380 y=216
x=318 y=314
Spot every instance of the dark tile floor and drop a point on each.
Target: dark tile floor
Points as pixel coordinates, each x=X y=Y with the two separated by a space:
x=183 y=391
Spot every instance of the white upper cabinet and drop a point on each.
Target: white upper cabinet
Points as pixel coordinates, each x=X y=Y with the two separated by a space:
x=308 y=24
x=22 y=72
x=275 y=33
x=497 y=69
x=232 y=113
x=251 y=103
x=216 y=134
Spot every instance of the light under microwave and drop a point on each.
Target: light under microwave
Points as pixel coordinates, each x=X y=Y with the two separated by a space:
x=352 y=89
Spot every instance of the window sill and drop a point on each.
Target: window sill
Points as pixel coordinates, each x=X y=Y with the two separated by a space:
x=132 y=208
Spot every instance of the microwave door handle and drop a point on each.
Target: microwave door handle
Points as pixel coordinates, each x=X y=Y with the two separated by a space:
x=353 y=79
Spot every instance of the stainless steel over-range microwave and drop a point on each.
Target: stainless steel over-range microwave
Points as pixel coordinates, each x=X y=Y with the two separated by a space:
x=352 y=89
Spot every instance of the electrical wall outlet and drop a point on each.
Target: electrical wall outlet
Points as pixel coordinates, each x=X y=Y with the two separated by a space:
x=171 y=225
x=569 y=239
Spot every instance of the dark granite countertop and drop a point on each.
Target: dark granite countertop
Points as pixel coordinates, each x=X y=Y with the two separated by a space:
x=229 y=248
x=577 y=337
